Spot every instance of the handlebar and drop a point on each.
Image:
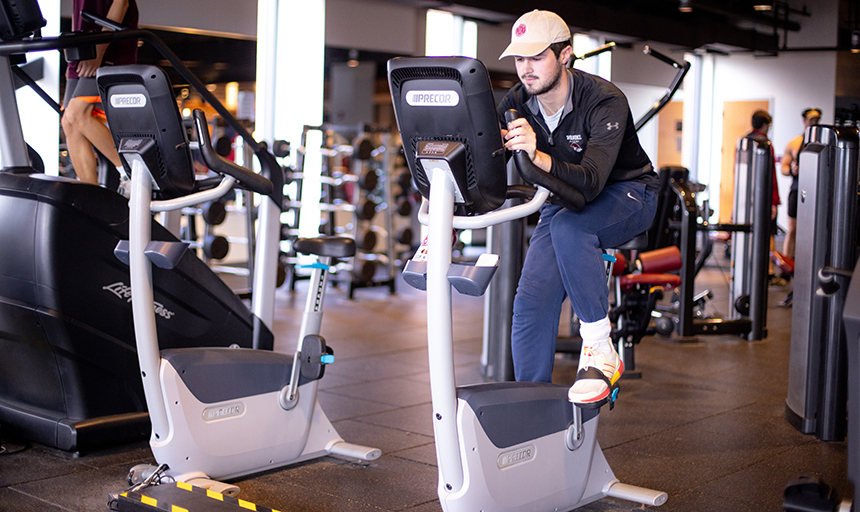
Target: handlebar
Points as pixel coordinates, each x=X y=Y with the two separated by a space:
x=566 y=194
x=250 y=180
x=94 y=38
x=670 y=92
x=101 y=21
x=651 y=51
x=673 y=87
x=827 y=284
x=608 y=47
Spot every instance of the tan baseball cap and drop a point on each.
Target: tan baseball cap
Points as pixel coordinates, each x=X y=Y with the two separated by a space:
x=534 y=32
x=811 y=112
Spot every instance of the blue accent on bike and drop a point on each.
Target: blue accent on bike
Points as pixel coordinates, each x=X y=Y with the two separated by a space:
x=315 y=265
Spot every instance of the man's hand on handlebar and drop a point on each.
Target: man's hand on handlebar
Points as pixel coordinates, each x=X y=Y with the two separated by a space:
x=520 y=136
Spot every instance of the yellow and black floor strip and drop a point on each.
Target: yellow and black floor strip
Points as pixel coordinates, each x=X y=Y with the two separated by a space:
x=182 y=497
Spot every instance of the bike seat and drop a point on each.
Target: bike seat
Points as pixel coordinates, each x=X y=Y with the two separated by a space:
x=637 y=243
x=334 y=246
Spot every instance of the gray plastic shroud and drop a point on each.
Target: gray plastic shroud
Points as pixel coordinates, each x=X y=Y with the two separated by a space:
x=164 y=255
x=512 y=413
x=216 y=375
x=466 y=279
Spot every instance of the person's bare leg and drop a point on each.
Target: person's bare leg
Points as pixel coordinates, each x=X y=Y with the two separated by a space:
x=790 y=236
x=80 y=150
x=99 y=135
x=82 y=132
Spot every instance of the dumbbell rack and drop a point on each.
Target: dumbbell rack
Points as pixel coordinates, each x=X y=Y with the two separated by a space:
x=398 y=222
x=212 y=247
x=338 y=192
x=372 y=267
x=292 y=207
x=357 y=200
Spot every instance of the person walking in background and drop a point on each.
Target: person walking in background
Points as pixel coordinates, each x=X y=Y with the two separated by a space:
x=761 y=123
x=789 y=167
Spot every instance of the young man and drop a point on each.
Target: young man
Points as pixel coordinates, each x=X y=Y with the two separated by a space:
x=789 y=167
x=761 y=123
x=82 y=129
x=579 y=128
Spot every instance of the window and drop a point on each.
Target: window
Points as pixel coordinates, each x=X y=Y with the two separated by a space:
x=450 y=35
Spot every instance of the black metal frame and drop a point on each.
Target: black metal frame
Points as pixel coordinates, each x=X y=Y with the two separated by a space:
x=753 y=327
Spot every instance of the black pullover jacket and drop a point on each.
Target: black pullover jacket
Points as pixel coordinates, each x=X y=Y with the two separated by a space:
x=595 y=143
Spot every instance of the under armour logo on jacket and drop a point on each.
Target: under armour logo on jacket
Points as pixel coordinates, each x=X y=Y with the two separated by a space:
x=612 y=126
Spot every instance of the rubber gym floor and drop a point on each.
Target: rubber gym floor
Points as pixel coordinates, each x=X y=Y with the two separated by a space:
x=704 y=423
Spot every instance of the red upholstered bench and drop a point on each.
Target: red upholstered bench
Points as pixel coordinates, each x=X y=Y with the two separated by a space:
x=667 y=281
x=637 y=294
x=652 y=267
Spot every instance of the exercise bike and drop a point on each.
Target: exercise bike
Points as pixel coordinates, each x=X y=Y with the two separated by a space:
x=500 y=446
x=217 y=413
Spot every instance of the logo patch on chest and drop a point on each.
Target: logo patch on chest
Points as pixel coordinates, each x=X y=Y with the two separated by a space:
x=574 y=141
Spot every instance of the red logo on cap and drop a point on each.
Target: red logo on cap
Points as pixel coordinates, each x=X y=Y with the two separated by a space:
x=521 y=30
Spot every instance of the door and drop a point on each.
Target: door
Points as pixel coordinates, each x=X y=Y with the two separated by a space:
x=737 y=122
x=670 y=129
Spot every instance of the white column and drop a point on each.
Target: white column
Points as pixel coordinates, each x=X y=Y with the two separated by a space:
x=710 y=135
x=290 y=67
x=40 y=122
x=691 y=115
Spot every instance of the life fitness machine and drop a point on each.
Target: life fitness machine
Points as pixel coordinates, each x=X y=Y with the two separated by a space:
x=851 y=320
x=506 y=446
x=69 y=375
x=678 y=211
x=827 y=225
x=753 y=193
x=809 y=493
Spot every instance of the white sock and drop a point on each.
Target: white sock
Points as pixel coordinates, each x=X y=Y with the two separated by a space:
x=596 y=335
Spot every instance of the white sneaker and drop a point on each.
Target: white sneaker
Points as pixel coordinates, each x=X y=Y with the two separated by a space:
x=596 y=379
x=124 y=188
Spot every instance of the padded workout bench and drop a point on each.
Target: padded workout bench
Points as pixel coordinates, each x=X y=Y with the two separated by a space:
x=636 y=295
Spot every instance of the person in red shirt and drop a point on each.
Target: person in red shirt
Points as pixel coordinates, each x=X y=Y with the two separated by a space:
x=761 y=123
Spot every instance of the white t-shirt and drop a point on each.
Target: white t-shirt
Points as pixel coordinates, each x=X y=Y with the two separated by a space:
x=551 y=120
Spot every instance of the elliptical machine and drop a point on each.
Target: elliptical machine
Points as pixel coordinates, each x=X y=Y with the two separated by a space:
x=69 y=375
x=217 y=413
x=500 y=446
